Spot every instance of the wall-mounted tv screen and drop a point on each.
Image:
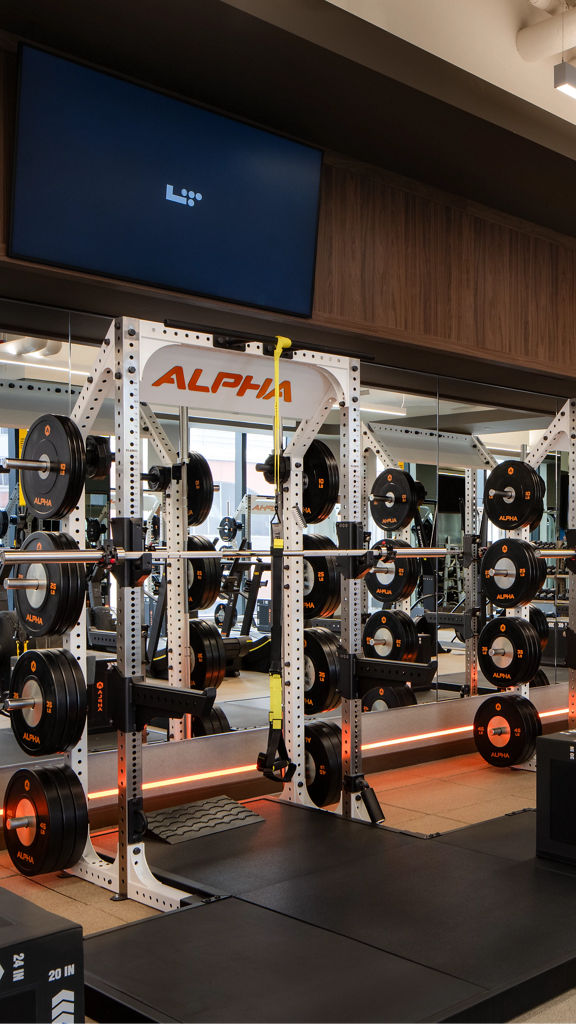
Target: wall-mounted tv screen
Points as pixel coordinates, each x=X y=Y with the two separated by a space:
x=115 y=179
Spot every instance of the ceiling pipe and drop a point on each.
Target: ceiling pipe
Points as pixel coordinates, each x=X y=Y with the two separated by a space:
x=547 y=38
x=545 y=5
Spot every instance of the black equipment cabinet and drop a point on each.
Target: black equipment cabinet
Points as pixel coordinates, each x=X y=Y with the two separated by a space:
x=41 y=964
x=556 y=796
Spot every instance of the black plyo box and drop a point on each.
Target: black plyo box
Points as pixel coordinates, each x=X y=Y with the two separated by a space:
x=556 y=796
x=41 y=963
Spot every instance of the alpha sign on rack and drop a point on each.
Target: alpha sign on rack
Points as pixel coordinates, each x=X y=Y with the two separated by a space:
x=223 y=381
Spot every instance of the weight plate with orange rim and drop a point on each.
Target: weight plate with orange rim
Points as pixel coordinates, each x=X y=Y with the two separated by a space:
x=321 y=578
x=394 y=499
x=390 y=635
x=54 y=492
x=320 y=482
x=393 y=579
x=513 y=495
x=384 y=698
x=321 y=670
x=200 y=485
x=509 y=651
x=54 y=606
x=506 y=728
x=511 y=573
x=323 y=755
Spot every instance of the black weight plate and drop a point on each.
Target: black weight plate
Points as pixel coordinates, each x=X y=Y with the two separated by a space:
x=394 y=579
x=227 y=528
x=510 y=573
x=38 y=730
x=98 y=457
x=518 y=651
x=383 y=698
x=390 y=635
x=77 y=584
x=204 y=575
x=209 y=725
x=513 y=495
x=505 y=729
x=208 y=655
x=323 y=762
x=321 y=482
x=321 y=670
x=41 y=611
x=78 y=805
x=540 y=623
x=220 y=612
x=35 y=850
x=53 y=493
x=200 y=489
x=540 y=679
x=321 y=579
x=65 y=662
x=393 y=500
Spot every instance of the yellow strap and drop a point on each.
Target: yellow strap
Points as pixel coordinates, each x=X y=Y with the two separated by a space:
x=281 y=344
x=276 y=700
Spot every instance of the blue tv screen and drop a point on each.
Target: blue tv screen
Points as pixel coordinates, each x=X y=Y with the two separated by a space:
x=116 y=179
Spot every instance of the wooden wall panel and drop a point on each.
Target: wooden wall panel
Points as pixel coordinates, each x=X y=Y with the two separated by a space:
x=399 y=260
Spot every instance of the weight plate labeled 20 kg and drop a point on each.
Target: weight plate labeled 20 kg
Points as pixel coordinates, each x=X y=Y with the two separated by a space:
x=506 y=728
x=323 y=745
x=321 y=578
x=55 y=604
x=509 y=652
x=52 y=806
x=321 y=482
x=321 y=670
x=391 y=635
x=54 y=681
x=394 y=499
x=53 y=492
x=512 y=573
x=513 y=495
x=393 y=579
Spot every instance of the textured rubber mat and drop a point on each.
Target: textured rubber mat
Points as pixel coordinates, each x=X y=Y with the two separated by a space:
x=203 y=818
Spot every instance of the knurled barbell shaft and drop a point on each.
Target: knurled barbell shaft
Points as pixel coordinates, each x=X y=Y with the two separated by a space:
x=26 y=821
x=43 y=466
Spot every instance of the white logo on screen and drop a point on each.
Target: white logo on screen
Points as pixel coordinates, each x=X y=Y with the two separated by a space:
x=187 y=197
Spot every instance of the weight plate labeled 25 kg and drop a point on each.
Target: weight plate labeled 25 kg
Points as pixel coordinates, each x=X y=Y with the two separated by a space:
x=506 y=728
x=393 y=579
x=204 y=575
x=52 y=803
x=321 y=579
x=513 y=495
x=394 y=499
x=55 y=605
x=321 y=670
x=391 y=635
x=509 y=652
x=55 y=491
x=54 y=681
x=323 y=745
x=512 y=573
x=321 y=482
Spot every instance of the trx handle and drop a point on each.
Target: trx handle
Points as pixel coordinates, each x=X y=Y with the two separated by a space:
x=275 y=763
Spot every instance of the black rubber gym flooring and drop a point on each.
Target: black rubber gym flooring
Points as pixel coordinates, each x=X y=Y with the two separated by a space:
x=328 y=920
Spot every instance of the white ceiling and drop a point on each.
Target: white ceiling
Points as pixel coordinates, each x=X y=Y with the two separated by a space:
x=478 y=36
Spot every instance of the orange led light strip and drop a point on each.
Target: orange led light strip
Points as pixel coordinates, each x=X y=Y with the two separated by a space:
x=223 y=773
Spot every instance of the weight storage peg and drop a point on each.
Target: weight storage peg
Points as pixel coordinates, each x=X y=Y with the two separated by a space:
x=513 y=496
x=512 y=573
x=509 y=652
x=45 y=819
x=506 y=728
